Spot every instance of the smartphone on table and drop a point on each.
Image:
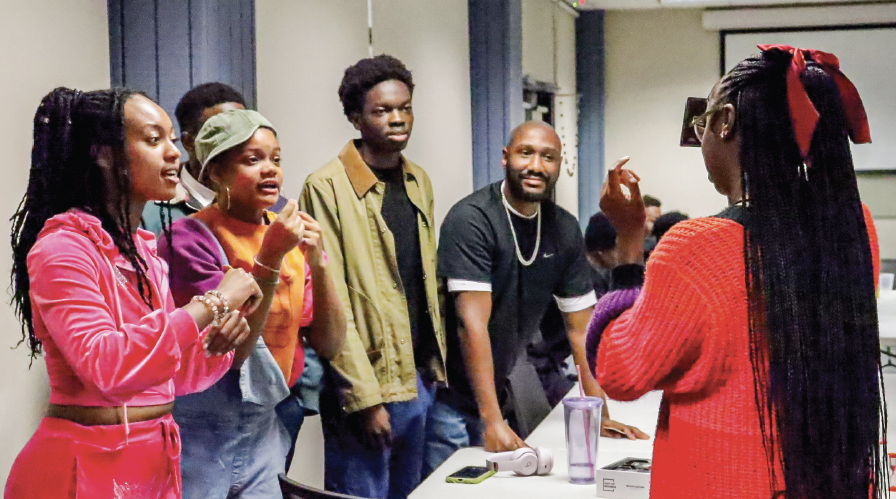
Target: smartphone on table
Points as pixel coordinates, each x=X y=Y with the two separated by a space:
x=469 y=474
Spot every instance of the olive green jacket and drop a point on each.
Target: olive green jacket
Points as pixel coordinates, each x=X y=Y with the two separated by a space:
x=376 y=363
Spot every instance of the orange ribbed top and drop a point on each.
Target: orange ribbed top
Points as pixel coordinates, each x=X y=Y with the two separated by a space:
x=241 y=241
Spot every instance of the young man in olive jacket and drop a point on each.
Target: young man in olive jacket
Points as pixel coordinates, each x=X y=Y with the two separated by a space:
x=376 y=213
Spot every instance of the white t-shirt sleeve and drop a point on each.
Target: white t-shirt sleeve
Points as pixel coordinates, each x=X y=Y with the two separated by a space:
x=459 y=285
x=574 y=304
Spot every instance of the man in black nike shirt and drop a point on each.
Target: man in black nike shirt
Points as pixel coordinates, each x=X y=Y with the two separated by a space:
x=506 y=251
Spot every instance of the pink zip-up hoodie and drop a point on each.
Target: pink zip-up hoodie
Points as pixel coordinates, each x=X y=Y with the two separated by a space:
x=103 y=344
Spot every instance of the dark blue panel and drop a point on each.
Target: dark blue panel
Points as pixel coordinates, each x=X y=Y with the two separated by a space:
x=174 y=52
x=139 y=46
x=235 y=54
x=513 y=78
x=248 y=66
x=204 y=22
x=190 y=39
x=116 y=43
x=166 y=47
x=222 y=49
x=478 y=12
x=197 y=21
x=590 y=85
x=496 y=82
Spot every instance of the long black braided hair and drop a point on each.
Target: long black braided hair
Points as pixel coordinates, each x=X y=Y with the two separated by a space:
x=813 y=317
x=69 y=128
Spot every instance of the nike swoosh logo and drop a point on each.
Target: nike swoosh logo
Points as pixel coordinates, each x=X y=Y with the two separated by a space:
x=549 y=255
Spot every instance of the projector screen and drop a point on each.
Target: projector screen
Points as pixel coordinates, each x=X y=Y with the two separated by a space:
x=866 y=58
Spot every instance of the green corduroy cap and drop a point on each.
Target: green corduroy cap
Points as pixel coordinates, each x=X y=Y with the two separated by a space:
x=227 y=130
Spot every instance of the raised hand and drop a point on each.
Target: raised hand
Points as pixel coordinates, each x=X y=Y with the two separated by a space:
x=625 y=210
x=284 y=234
x=312 y=245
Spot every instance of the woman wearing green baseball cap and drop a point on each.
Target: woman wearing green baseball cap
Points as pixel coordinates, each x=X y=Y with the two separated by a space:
x=234 y=444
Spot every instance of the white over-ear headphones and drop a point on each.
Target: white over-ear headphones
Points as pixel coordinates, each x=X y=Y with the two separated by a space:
x=524 y=461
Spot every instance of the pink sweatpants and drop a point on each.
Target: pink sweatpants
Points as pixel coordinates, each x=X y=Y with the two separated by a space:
x=65 y=460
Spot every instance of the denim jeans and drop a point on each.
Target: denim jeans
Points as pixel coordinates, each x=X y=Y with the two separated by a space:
x=303 y=400
x=231 y=448
x=447 y=430
x=292 y=415
x=353 y=468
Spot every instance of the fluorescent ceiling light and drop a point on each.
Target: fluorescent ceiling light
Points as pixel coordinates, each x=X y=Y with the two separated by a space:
x=656 y=4
x=743 y=3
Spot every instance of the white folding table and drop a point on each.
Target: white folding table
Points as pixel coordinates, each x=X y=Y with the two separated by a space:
x=551 y=434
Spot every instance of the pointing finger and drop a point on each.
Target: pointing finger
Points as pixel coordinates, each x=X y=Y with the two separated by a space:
x=620 y=162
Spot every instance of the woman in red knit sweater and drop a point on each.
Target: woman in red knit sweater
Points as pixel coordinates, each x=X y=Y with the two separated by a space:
x=759 y=324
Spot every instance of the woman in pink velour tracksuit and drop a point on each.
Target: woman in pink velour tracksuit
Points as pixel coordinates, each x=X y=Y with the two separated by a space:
x=93 y=297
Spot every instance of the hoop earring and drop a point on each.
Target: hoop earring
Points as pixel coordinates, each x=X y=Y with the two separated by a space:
x=227 y=197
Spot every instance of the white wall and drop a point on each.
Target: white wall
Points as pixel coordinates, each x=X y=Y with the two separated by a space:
x=45 y=44
x=538 y=40
x=303 y=49
x=655 y=59
x=549 y=55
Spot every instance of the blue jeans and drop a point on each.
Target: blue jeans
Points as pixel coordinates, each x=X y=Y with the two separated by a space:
x=351 y=467
x=292 y=415
x=447 y=430
x=303 y=400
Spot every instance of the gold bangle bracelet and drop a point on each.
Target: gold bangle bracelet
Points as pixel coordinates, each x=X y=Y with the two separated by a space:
x=269 y=269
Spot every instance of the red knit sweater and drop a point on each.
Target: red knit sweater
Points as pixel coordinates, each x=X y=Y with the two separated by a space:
x=687 y=334
x=872 y=238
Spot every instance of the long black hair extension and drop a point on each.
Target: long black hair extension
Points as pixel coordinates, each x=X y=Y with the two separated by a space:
x=813 y=317
x=69 y=128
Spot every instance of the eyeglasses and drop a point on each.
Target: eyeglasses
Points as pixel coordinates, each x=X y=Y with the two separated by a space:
x=694 y=107
x=694 y=124
x=699 y=122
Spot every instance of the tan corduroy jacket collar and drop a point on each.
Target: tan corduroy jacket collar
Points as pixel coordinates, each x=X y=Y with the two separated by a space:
x=360 y=175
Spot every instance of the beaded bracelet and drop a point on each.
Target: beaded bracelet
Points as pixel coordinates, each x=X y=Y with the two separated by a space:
x=207 y=301
x=224 y=303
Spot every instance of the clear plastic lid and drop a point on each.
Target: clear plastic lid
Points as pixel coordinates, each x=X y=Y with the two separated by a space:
x=583 y=402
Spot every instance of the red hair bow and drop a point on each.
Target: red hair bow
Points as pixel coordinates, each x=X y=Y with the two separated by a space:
x=803 y=113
